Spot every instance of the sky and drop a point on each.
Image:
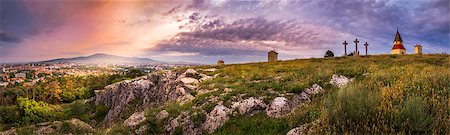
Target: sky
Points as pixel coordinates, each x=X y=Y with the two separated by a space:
x=204 y=31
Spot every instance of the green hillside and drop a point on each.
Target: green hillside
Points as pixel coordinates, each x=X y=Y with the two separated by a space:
x=390 y=94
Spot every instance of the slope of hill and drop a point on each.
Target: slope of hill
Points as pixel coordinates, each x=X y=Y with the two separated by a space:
x=353 y=95
x=101 y=58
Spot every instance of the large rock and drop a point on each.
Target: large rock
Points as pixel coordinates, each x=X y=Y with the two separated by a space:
x=305 y=96
x=183 y=120
x=81 y=125
x=315 y=89
x=210 y=69
x=339 y=80
x=163 y=114
x=134 y=120
x=186 y=98
x=150 y=90
x=278 y=107
x=216 y=118
x=249 y=106
x=189 y=80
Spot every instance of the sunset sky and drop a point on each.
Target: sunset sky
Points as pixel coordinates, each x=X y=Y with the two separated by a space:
x=204 y=31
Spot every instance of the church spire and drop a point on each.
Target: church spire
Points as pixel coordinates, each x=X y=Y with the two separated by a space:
x=398 y=37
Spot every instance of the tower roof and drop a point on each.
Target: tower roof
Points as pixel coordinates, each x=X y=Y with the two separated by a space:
x=398 y=37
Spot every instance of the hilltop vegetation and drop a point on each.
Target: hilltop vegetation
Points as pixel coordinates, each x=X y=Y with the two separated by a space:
x=405 y=94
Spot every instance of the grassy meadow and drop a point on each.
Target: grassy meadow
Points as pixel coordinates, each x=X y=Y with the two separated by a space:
x=390 y=94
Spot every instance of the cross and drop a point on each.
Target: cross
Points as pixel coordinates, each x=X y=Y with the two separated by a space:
x=345 y=47
x=356 y=49
x=366 y=44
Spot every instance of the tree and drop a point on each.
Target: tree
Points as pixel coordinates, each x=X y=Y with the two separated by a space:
x=329 y=54
x=53 y=89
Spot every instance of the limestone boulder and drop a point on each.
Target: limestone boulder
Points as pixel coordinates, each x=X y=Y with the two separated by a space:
x=296 y=131
x=163 y=114
x=210 y=69
x=339 y=80
x=189 y=80
x=249 y=106
x=216 y=118
x=134 y=120
x=278 y=107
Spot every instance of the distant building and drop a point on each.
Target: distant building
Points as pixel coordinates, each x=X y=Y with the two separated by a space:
x=272 y=56
x=398 y=45
x=418 y=49
x=220 y=62
x=20 y=75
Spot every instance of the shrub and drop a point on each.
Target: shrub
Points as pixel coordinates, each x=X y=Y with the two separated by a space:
x=414 y=117
x=34 y=112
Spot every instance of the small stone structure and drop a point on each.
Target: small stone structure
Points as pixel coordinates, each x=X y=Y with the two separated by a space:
x=220 y=62
x=272 y=56
x=418 y=49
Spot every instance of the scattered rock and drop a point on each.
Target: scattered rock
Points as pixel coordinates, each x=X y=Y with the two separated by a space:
x=249 y=106
x=11 y=131
x=190 y=71
x=134 y=120
x=278 y=107
x=141 y=130
x=206 y=78
x=340 y=80
x=185 y=98
x=296 y=131
x=304 y=129
x=315 y=89
x=163 y=114
x=81 y=125
x=305 y=96
x=185 y=122
x=226 y=90
x=210 y=70
x=189 y=80
x=216 y=118
x=50 y=129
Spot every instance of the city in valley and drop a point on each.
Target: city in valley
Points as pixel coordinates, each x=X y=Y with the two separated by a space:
x=224 y=67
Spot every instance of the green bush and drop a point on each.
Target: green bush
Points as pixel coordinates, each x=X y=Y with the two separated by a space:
x=414 y=116
x=34 y=112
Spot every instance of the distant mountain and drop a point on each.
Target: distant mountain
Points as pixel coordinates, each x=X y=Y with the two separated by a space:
x=101 y=58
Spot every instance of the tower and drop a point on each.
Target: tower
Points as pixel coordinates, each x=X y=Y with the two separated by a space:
x=398 y=45
x=418 y=49
x=272 y=56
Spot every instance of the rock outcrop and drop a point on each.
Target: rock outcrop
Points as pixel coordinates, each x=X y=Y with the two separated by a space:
x=134 y=120
x=305 y=96
x=184 y=121
x=339 y=80
x=216 y=118
x=249 y=106
x=153 y=90
x=278 y=107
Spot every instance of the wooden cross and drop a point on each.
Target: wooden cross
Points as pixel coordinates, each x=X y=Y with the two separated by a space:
x=345 y=47
x=366 y=44
x=356 y=48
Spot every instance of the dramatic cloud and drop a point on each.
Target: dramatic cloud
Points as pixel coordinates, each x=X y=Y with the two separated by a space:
x=6 y=37
x=253 y=36
x=207 y=30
